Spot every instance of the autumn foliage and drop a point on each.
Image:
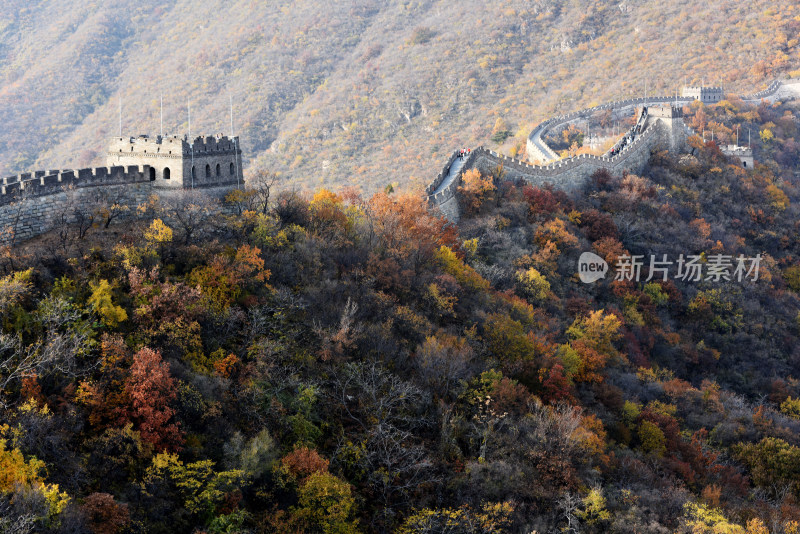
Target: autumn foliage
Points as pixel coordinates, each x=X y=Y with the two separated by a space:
x=331 y=362
x=151 y=389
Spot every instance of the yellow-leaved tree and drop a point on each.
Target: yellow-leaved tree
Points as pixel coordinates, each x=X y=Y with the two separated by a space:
x=593 y=339
x=20 y=475
x=158 y=233
x=101 y=302
x=533 y=284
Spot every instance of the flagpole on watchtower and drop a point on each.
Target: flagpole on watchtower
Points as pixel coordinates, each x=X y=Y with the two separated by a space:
x=191 y=143
x=230 y=99
x=235 y=146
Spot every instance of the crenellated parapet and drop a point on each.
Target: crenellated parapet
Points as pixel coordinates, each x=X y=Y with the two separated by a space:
x=174 y=145
x=771 y=89
x=214 y=144
x=41 y=183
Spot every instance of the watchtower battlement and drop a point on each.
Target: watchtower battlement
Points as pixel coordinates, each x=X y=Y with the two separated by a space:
x=144 y=144
x=32 y=203
x=219 y=143
x=173 y=144
x=175 y=162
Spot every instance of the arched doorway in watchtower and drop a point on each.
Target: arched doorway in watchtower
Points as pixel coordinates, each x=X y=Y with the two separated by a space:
x=193 y=174
x=208 y=171
x=166 y=173
x=152 y=174
x=217 y=169
x=231 y=169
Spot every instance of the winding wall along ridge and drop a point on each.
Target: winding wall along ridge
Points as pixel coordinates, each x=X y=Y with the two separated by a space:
x=571 y=172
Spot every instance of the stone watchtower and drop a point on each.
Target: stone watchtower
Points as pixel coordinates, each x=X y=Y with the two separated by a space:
x=742 y=153
x=176 y=163
x=669 y=120
x=706 y=95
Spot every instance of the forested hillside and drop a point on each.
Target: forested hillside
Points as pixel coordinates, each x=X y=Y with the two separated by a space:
x=345 y=363
x=357 y=93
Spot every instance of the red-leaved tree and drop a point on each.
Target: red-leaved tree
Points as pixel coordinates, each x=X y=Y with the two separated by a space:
x=150 y=389
x=104 y=515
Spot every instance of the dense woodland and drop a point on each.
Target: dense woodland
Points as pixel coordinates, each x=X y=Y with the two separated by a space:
x=334 y=363
x=364 y=92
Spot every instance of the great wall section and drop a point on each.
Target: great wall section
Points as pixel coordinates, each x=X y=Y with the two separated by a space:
x=138 y=167
x=663 y=126
x=34 y=203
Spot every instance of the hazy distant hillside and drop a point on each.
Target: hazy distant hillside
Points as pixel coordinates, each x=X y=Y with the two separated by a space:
x=365 y=92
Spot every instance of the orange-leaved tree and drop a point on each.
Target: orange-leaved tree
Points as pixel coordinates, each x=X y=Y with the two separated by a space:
x=228 y=276
x=475 y=190
x=406 y=230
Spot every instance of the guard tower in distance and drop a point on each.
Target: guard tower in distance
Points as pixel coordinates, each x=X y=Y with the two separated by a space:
x=706 y=95
x=742 y=153
x=177 y=163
